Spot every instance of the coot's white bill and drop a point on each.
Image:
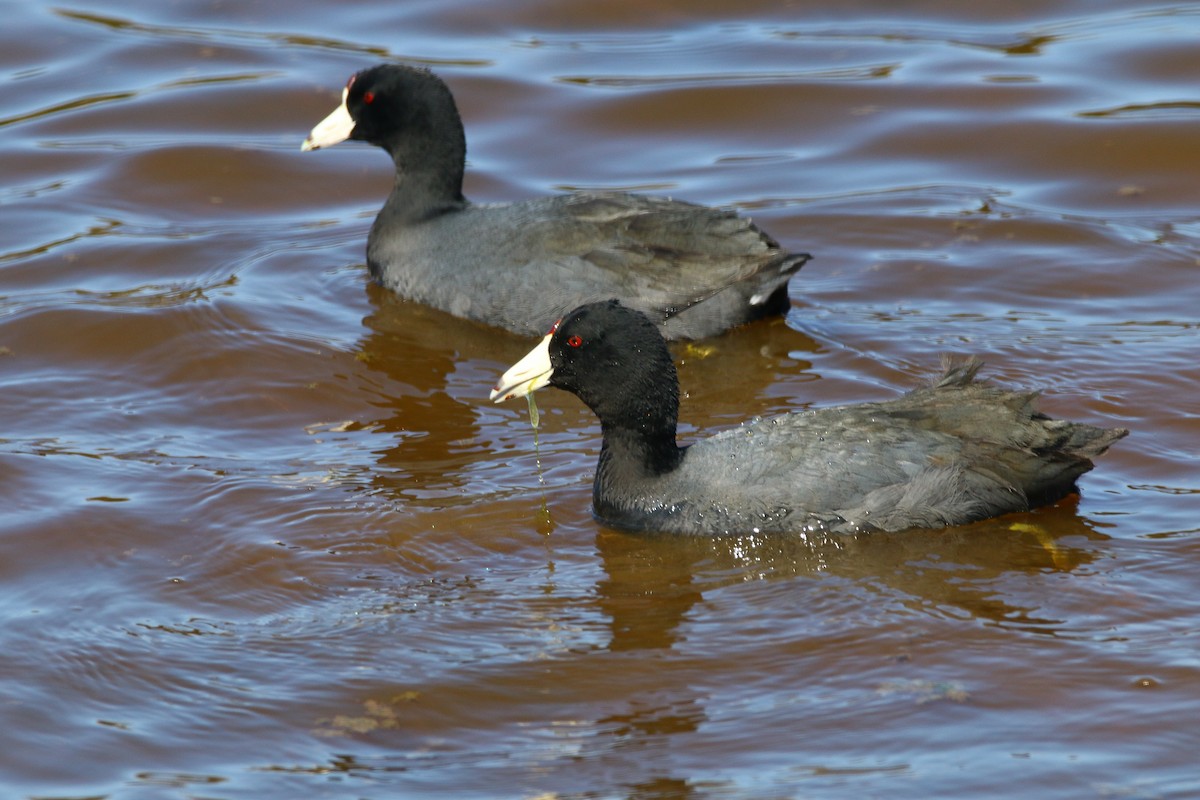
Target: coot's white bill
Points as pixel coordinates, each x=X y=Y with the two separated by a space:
x=335 y=128
x=527 y=375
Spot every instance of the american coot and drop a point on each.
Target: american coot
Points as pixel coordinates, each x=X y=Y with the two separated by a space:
x=697 y=271
x=951 y=453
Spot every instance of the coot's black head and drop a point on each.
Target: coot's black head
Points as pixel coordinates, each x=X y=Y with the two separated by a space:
x=613 y=358
x=388 y=103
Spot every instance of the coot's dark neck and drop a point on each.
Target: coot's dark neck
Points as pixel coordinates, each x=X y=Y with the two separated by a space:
x=633 y=452
x=629 y=462
x=429 y=176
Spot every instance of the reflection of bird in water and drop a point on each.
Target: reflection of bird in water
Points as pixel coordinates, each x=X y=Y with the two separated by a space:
x=433 y=438
x=654 y=583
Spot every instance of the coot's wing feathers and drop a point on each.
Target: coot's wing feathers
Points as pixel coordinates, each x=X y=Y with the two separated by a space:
x=948 y=454
x=700 y=269
x=676 y=251
x=674 y=226
x=524 y=265
x=823 y=459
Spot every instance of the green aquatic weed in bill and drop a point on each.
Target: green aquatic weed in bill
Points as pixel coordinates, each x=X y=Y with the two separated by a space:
x=545 y=523
x=534 y=417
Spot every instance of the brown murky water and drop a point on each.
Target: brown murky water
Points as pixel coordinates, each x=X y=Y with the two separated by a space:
x=263 y=535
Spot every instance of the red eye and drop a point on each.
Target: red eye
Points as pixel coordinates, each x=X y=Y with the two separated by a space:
x=574 y=341
x=368 y=97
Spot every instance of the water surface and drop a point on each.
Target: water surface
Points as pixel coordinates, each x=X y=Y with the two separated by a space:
x=264 y=536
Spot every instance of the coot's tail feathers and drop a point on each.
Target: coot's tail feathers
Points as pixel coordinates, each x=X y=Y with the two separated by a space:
x=957 y=371
x=772 y=297
x=1048 y=470
x=744 y=298
x=1034 y=454
x=1052 y=435
x=1083 y=441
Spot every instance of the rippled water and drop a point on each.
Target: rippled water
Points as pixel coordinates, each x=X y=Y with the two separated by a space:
x=264 y=536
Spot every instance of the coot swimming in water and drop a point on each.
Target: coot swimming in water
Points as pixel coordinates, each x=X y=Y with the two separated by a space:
x=696 y=271
x=956 y=451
